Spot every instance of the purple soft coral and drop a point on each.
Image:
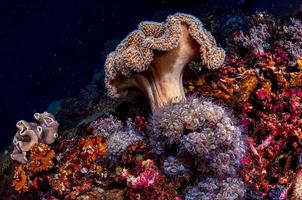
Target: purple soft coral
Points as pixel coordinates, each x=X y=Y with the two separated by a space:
x=255 y=39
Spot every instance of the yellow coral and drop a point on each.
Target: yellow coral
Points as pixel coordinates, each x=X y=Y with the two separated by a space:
x=40 y=158
x=20 y=179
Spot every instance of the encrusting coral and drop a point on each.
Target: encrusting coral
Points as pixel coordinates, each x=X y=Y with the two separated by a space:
x=153 y=58
x=31 y=133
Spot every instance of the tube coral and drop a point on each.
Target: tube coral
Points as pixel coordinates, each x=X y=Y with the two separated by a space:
x=153 y=58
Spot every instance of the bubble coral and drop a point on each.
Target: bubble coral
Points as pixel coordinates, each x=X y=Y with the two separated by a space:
x=214 y=189
x=204 y=129
x=153 y=58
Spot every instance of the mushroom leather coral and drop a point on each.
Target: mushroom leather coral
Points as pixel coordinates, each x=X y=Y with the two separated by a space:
x=153 y=58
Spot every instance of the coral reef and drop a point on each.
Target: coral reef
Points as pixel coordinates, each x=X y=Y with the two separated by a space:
x=153 y=58
x=231 y=131
x=105 y=127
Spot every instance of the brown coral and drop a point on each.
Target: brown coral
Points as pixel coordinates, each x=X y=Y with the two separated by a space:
x=20 y=179
x=40 y=158
x=153 y=58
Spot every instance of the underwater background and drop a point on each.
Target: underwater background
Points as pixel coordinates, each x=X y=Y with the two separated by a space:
x=234 y=133
x=51 y=49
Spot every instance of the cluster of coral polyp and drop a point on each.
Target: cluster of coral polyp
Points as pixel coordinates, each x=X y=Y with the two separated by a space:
x=233 y=130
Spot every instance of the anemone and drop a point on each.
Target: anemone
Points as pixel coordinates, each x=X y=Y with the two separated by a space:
x=153 y=57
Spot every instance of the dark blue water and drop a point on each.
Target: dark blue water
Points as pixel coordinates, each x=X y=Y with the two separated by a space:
x=49 y=49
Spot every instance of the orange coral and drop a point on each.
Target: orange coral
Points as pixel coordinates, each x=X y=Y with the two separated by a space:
x=93 y=147
x=20 y=179
x=40 y=158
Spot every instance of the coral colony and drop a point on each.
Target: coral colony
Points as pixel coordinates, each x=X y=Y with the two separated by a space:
x=186 y=119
